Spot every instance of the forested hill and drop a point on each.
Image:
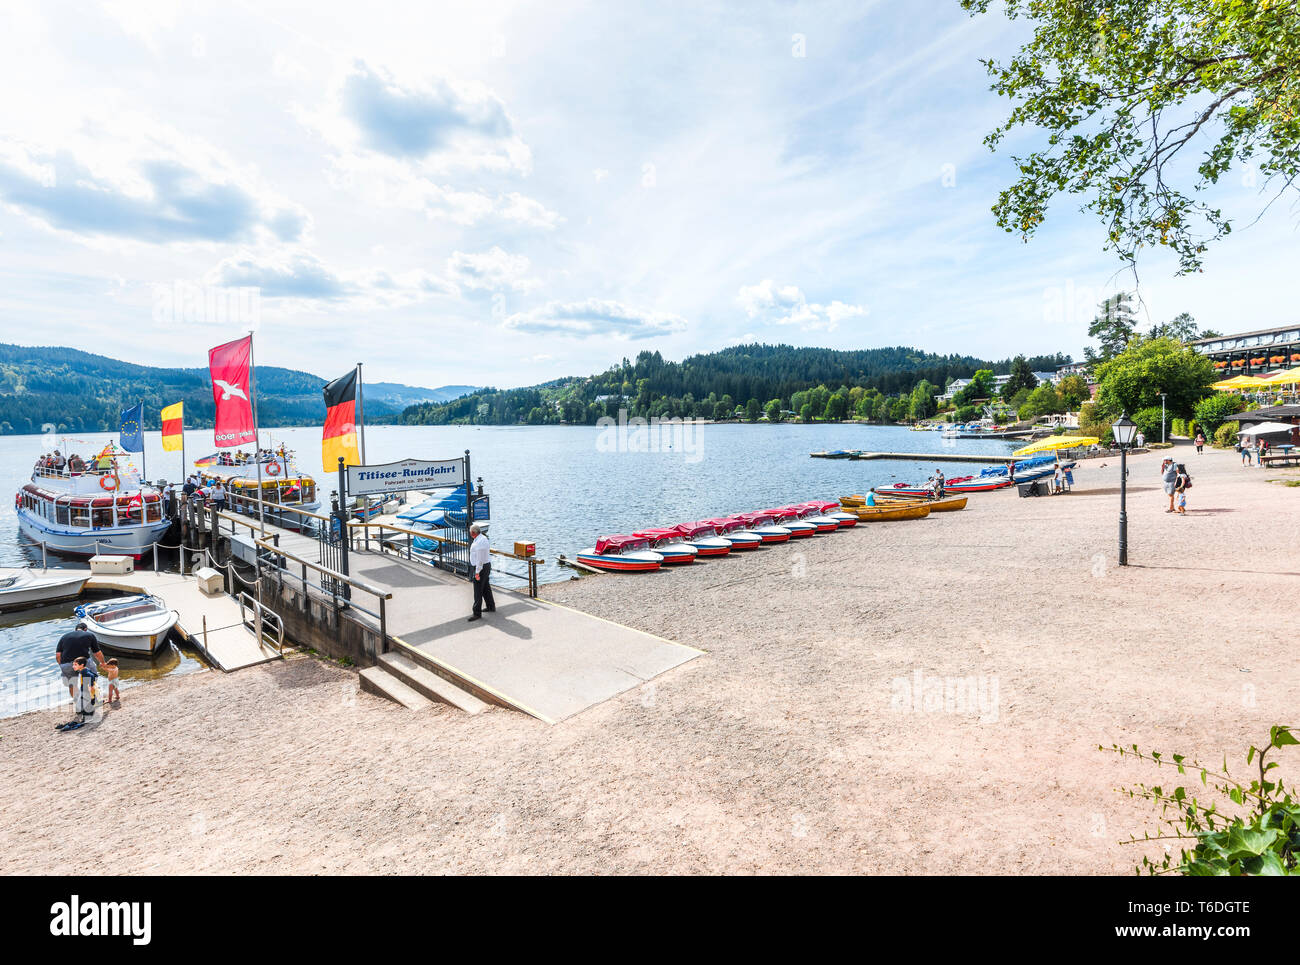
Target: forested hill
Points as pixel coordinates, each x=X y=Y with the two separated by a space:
x=80 y=392
x=703 y=386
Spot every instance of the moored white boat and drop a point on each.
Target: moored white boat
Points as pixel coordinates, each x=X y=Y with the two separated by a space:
x=791 y=518
x=130 y=624
x=621 y=554
x=832 y=511
x=33 y=587
x=283 y=483
x=87 y=512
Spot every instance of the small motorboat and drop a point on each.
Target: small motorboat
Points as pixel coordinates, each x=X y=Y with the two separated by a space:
x=952 y=487
x=791 y=518
x=669 y=544
x=33 y=587
x=832 y=511
x=914 y=509
x=764 y=526
x=129 y=624
x=732 y=529
x=704 y=537
x=621 y=554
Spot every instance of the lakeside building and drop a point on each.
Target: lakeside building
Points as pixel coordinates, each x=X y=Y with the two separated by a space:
x=1247 y=353
x=998 y=382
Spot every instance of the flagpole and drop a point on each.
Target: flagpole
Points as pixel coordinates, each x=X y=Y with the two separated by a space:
x=144 y=461
x=361 y=414
x=257 y=439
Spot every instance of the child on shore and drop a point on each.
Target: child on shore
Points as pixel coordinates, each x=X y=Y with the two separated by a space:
x=1181 y=486
x=110 y=671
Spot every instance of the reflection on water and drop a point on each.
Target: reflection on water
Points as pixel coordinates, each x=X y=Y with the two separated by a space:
x=29 y=677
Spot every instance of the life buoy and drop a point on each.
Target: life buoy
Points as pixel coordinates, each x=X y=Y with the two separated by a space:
x=112 y=481
x=273 y=469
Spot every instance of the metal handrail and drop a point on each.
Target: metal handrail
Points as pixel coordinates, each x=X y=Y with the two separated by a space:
x=532 y=561
x=260 y=614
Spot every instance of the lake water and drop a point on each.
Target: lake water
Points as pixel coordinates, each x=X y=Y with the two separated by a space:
x=557 y=486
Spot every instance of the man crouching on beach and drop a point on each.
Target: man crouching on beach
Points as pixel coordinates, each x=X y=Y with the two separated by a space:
x=79 y=644
x=480 y=558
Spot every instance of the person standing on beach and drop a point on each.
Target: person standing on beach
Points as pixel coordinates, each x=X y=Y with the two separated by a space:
x=77 y=644
x=1199 y=440
x=480 y=558
x=1169 y=475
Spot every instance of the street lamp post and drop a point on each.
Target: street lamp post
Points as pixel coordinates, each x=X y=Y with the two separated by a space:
x=1123 y=430
x=1162 y=418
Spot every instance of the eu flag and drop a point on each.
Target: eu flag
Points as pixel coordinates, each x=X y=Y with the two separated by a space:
x=131 y=435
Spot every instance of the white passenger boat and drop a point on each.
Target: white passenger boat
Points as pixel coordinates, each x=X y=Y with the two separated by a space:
x=87 y=511
x=284 y=484
x=33 y=587
x=130 y=624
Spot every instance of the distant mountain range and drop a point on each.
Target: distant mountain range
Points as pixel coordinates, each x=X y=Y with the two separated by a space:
x=81 y=392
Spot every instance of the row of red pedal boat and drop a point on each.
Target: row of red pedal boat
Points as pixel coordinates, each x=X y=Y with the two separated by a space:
x=650 y=549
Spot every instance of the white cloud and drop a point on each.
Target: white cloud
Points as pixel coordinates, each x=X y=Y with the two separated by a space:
x=492 y=270
x=787 y=305
x=302 y=276
x=595 y=317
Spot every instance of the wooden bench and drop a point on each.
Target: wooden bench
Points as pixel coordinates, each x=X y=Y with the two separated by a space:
x=1281 y=459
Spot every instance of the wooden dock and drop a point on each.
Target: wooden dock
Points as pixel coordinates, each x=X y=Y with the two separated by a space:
x=935 y=456
x=213 y=625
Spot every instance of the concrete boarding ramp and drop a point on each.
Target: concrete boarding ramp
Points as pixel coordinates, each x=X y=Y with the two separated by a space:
x=541 y=658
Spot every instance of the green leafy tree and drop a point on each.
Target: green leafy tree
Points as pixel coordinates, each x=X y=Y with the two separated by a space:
x=1135 y=378
x=837 y=406
x=1217 y=409
x=1113 y=327
x=1022 y=377
x=753 y=409
x=1182 y=328
x=1044 y=400
x=1074 y=391
x=1131 y=94
x=773 y=411
x=921 y=404
x=806 y=412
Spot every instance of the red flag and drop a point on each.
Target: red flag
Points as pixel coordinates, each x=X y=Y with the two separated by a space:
x=231 y=378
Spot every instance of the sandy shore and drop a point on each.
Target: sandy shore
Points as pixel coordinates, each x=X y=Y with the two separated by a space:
x=790 y=747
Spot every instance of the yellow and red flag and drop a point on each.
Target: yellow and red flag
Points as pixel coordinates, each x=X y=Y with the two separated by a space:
x=339 y=437
x=173 y=427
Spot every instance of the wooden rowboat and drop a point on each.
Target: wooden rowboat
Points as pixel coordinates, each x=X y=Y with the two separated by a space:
x=880 y=514
x=949 y=504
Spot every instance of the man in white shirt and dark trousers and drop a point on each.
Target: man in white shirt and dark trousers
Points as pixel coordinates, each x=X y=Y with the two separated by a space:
x=480 y=558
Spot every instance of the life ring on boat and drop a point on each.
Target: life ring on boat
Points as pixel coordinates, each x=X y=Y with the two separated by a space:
x=273 y=469
x=111 y=478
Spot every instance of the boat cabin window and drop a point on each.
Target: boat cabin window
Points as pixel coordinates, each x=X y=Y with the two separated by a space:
x=63 y=514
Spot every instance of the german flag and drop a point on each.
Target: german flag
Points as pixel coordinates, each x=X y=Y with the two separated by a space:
x=339 y=437
x=173 y=425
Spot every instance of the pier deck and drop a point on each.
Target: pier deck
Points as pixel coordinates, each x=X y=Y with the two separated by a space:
x=934 y=456
x=228 y=644
x=544 y=659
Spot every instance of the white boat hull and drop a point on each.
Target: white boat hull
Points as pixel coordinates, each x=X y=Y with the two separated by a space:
x=36 y=588
x=134 y=541
x=140 y=634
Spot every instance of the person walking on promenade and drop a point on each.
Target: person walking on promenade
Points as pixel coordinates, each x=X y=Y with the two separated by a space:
x=480 y=559
x=1181 y=485
x=1169 y=475
x=218 y=496
x=1199 y=440
x=1243 y=447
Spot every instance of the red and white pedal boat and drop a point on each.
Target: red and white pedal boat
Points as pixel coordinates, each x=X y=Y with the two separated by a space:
x=621 y=554
x=668 y=544
x=790 y=518
x=763 y=525
x=732 y=529
x=704 y=537
x=832 y=511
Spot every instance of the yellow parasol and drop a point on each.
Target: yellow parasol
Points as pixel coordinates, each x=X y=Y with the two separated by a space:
x=1239 y=382
x=1056 y=442
x=1282 y=378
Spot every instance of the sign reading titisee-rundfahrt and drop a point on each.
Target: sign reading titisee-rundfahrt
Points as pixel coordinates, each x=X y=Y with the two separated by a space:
x=396 y=477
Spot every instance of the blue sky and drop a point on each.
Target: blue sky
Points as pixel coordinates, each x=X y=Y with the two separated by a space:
x=506 y=193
